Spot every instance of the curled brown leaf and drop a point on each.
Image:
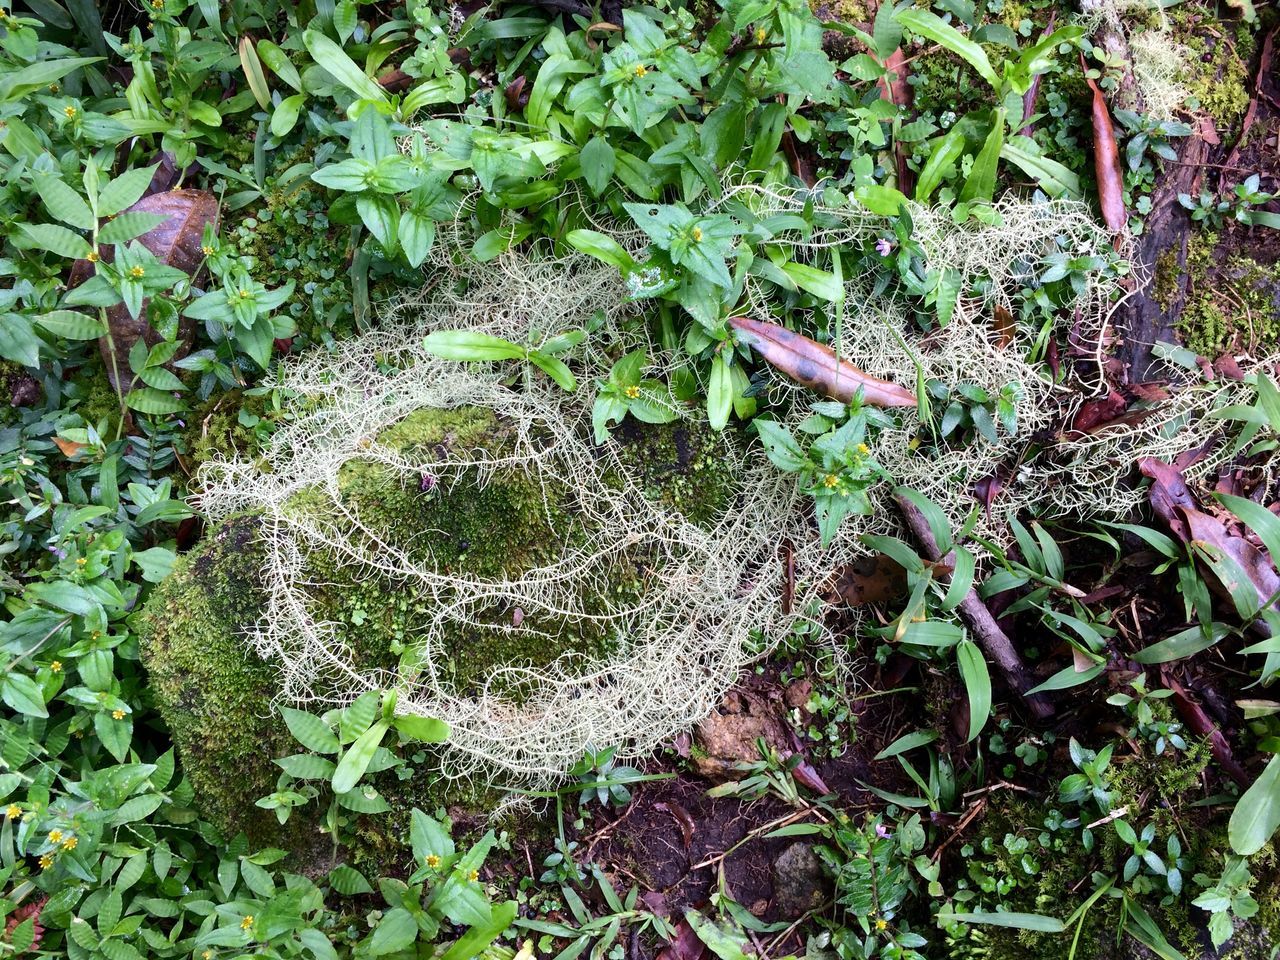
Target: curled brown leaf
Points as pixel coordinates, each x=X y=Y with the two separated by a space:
x=1106 y=163
x=816 y=366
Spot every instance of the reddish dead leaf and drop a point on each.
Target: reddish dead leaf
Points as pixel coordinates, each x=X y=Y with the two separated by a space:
x=1003 y=327
x=395 y=81
x=870 y=579
x=1054 y=361
x=804 y=774
x=1227 y=367
x=898 y=91
x=1094 y=413
x=987 y=489
x=1173 y=503
x=816 y=366
x=1106 y=162
x=69 y=448
x=687 y=945
x=175 y=242
x=28 y=911
x=682 y=817
x=516 y=94
x=1032 y=95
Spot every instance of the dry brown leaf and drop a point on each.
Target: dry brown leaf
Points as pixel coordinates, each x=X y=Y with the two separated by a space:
x=816 y=365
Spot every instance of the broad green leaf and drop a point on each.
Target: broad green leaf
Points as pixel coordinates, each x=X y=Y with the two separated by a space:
x=285 y=115
x=942 y=158
x=309 y=730
x=71 y=324
x=928 y=25
x=908 y=741
x=719 y=393
x=128 y=226
x=23 y=694
x=153 y=402
x=1020 y=921
x=64 y=204
x=254 y=73
x=598 y=161
x=424 y=729
x=471 y=346
x=1257 y=813
x=977 y=684
x=601 y=247
x=1183 y=644
x=474 y=941
x=355 y=761
x=396 y=931
x=1068 y=677
x=57 y=240
x=981 y=185
x=1258 y=519
x=342 y=68
x=124 y=191
x=277 y=61
x=820 y=283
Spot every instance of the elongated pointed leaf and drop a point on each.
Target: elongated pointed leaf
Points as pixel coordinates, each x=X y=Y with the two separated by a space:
x=816 y=366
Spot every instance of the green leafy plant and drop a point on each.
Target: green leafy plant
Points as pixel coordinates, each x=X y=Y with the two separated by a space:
x=835 y=468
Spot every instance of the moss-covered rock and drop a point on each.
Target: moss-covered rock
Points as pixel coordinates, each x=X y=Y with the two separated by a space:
x=1233 y=302
x=217 y=695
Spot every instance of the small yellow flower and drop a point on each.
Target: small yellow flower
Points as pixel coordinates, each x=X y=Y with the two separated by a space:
x=13 y=811
x=863 y=449
x=433 y=861
x=55 y=836
x=632 y=392
x=92 y=256
x=56 y=666
x=70 y=843
x=96 y=635
x=206 y=955
x=157 y=4
x=882 y=924
x=137 y=272
x=207 y=250
x=247 y=922
x=117 y=714
x=69 y=111
x=243 y=293
x=830 y=481
x=81 y=561
x=697 y=234
x=761 y=34
x=46 y=861
x=475 y=875
x=640 y=70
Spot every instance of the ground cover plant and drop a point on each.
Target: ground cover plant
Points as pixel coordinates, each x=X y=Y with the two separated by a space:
x=735 y=478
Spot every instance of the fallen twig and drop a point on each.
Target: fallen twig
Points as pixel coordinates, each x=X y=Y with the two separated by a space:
x=992 y=639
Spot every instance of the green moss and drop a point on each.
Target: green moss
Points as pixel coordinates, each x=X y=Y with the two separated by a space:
x=1217 y=74
x=1023 y=858
x=97 y=402
x=1231 y=303
x=216 y=429
x=217 y=697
